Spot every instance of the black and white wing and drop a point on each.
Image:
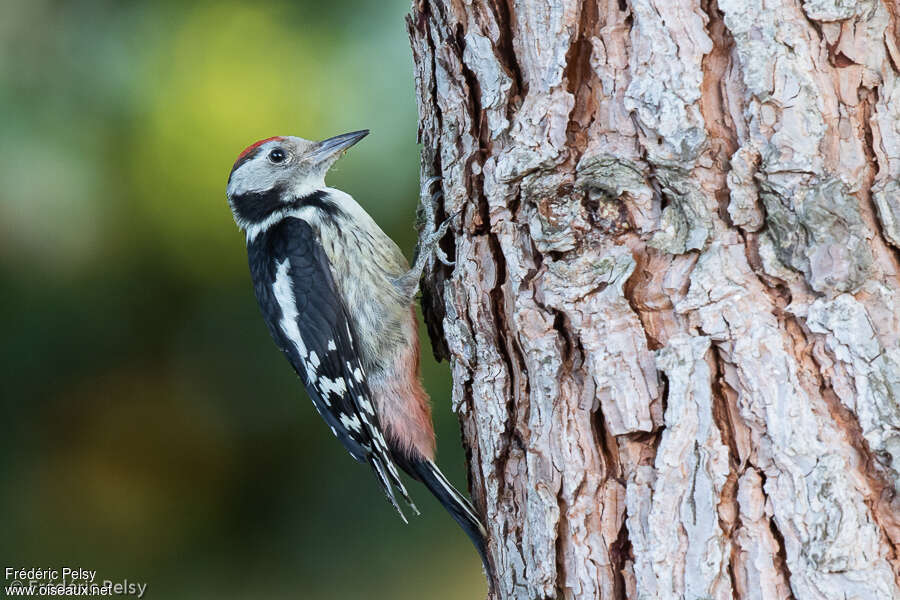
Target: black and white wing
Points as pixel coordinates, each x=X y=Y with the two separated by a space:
x=307 y=317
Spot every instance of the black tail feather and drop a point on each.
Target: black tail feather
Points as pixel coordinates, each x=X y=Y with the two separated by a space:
x=455 y=503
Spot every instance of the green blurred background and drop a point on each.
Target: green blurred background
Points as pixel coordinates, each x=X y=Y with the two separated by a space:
x=151 y=430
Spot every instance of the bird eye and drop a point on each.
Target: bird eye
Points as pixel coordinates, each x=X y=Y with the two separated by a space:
x=277 y=155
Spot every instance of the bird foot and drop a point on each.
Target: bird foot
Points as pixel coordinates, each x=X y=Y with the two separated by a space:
x=430 y=235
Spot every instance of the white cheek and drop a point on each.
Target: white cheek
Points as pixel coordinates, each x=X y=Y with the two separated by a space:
x=259 y=176
x=253 y=176
x=306 y=186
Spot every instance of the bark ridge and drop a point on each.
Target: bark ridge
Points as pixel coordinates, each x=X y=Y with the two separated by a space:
x=673 y=323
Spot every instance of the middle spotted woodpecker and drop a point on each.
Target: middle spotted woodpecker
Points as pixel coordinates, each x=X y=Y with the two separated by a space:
x=337 y=295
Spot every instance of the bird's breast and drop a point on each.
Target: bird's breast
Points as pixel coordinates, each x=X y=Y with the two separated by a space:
x=364 y=266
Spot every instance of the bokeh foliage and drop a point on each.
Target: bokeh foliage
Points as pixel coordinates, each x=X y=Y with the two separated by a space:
x=151 y=428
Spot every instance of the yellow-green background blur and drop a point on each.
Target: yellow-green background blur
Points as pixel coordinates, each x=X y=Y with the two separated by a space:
x=151 y=430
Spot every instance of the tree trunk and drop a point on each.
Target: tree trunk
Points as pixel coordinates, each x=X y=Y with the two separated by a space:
x=674 y=318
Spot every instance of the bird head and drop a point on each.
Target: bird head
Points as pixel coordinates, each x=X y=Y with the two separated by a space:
x=279 y=172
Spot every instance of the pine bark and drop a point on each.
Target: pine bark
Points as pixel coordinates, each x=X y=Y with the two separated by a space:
x=674 y=319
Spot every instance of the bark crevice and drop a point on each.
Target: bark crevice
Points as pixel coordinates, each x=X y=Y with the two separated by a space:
x=672 y=321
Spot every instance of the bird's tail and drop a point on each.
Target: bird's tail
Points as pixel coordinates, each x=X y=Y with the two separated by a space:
x=389 y=478
x=455 y=503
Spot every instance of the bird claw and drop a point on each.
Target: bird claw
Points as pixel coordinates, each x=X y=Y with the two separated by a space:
x=426 y=185
x=431 y=234
x=438 y=251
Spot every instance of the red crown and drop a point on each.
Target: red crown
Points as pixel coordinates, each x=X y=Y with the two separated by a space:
x=253 y=147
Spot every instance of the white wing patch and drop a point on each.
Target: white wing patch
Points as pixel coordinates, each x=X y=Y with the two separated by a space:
x=331 y=386
x=351 y=422
x=284 y=295
x=358 y=374
x=367 y=406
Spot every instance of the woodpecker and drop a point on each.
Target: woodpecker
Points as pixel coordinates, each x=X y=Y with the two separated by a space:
x=337 y=296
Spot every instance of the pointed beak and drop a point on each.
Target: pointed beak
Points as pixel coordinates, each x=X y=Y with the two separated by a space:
x=331 y=147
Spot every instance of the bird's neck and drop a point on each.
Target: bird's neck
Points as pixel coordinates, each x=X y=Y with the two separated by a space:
x=256 y=212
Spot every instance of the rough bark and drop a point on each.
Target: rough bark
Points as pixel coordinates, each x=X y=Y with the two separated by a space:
x=674 y=319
